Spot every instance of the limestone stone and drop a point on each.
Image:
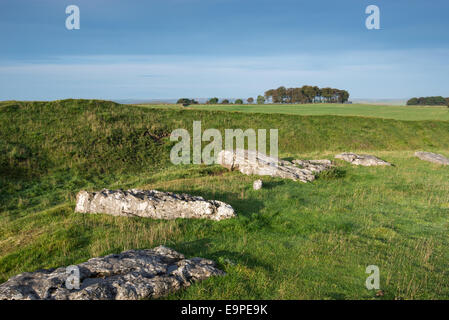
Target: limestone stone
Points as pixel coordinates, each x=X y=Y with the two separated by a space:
x=251 y=162
x=362 y=159
x=130 y=275
x=257 y=185
x=151 y=204
x=432 y=157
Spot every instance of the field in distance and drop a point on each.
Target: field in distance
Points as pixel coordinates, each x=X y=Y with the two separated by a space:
x=408 y=113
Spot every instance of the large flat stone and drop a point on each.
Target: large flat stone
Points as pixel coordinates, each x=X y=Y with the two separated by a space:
x=151 y=204
x=362 y=159
x=251 y=162
x=130 y=275
x=432 y=157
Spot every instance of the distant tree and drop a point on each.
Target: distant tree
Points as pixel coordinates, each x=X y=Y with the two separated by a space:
x=281 y=94
x=271 y=95
x=238 y=101
x=298 y=95
x=260 y=100
x=250 y=100
x=437 y=101
x=412 y=102
x=327 y=93
x=225 y=101
x=319 y=96
x=310 y=93
x=343 y=96
x=290 y=95
x=186 y=101
x=428 y=101
x=182 y=100
x=212 y=101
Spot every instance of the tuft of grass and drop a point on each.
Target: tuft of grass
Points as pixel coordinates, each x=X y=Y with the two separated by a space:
x=332 y=173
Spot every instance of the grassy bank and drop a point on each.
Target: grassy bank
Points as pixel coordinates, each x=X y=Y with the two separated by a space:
x=409 y=113
x=290 y=240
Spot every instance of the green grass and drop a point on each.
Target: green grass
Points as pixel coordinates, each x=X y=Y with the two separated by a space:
x=410 y=113
x=290 y=240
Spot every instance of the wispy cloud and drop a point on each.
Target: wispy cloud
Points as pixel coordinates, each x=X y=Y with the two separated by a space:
x=369 y=74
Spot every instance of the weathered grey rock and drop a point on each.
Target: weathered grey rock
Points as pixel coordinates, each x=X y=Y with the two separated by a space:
x=151 y=204
x=432 y=157
x=314 y=165
x=362 y=159
x=252 y=162
x=130 y=275
x=257 y=185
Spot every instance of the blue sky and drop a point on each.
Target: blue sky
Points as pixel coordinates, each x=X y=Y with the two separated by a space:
x=139 y=49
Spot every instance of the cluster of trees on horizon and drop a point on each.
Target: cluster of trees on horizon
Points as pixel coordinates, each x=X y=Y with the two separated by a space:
x=307 y=94
x=304 y=94
x=250 y=100
x=428 y=101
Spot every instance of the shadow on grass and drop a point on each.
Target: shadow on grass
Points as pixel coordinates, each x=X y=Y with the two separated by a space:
x=234 y=258
x=243 y=207
x=289 y=159
x=201 y=248
x=273 y=184
x=44 y=253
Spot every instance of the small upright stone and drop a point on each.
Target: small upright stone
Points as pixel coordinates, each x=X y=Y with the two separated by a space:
x=257 y=185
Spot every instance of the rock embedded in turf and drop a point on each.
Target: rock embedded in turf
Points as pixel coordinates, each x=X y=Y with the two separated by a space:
x=251 y=162
x=257 y=185
x=432 y=157
x=130 y=275
x=314 y=165
x=362 y=159
x=151 y=204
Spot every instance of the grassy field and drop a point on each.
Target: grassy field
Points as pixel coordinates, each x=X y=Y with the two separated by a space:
x=290 y=240
x=411 y=113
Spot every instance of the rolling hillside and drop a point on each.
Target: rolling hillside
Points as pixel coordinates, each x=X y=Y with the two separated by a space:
x=409 y=113
x=290 y=240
